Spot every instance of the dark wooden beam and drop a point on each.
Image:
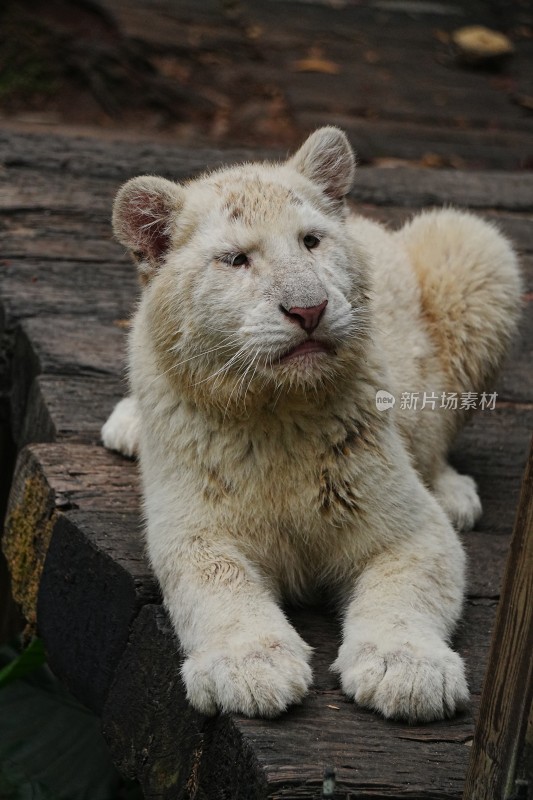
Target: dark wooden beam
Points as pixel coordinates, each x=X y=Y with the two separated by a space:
x=506 y=700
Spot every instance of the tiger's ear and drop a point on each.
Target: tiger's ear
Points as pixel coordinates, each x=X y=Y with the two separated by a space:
x=144 y=213
x=327 y=159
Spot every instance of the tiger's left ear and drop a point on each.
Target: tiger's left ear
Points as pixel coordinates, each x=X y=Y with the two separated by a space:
x=327 y=159
x=144 y=215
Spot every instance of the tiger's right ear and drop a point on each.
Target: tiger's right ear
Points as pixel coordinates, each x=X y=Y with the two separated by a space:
x=144 y=213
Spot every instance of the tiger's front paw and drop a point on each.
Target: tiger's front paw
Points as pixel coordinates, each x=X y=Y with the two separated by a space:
x=121 y=431
x=255 y=678
x=417 y=683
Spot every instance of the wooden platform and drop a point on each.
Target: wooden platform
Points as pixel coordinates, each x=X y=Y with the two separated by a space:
x=73 y=530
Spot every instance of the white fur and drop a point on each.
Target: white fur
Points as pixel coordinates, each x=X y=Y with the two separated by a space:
x=457 y=494
x=121 y=431
x=267 y=478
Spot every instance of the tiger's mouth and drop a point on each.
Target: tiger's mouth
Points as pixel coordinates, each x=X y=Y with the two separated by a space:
x=310 y=347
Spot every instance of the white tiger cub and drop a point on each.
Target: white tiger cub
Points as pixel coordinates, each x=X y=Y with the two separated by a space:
x=270 y=318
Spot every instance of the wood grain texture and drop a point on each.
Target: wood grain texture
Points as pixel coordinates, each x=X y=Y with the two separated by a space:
x=90 y=169
x=34 y=287
x=69 y=408
x=62 y=345
x=152 y=732
x=507 y=696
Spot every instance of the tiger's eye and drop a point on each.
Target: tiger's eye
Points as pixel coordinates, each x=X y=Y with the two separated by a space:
x=311 y=241
x=240 y=260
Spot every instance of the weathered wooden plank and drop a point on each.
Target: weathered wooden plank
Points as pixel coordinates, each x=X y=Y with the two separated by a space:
x=69 y=408
x=415 y=101
x=86 y=477
x=518 y=227
x=152 y=732
x=36 y=288
x=61 y=345
x=47 y=236
x=94 y=577
x=66 y=193
x=74 y=345
x=417 y=187
x=486 y=554
x=508 y=689
x=403 y=186
x=57 y=157
x=74 y=189
x=516 y=382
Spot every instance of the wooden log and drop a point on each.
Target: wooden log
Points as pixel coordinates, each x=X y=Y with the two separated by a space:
x=44 y=162
x=152 y=732
x=94 y=582
x=73 y=538
x=507 y=696
x=49 y=479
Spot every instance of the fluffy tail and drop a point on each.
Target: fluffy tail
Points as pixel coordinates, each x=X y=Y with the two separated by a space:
x=470 y=292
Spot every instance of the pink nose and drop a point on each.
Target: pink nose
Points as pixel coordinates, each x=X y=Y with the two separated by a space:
x=307 y=318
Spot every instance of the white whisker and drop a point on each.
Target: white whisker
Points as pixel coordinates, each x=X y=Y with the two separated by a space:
x=222 y=346
x=224 y=368
x=256 y=359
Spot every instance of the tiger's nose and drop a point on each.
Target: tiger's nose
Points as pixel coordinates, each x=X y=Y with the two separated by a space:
x=307 y=318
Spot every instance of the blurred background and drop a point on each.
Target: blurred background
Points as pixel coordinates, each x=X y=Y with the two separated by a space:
x=410 y=80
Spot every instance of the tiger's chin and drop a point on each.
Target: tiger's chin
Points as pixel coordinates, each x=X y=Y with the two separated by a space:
x=310 y=365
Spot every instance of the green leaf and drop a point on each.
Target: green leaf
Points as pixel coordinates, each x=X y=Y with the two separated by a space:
x=31 y=658
x=51 y=747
